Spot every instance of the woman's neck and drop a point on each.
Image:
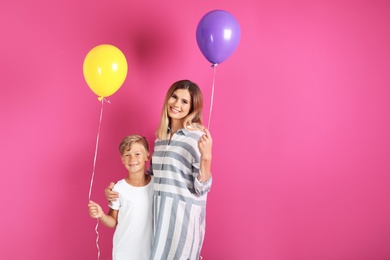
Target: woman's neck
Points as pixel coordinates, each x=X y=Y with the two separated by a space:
x=175 y=125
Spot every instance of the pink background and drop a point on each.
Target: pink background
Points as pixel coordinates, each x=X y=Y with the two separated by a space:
x=300 y=123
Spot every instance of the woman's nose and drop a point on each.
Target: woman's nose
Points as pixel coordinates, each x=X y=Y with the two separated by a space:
x=176 y=102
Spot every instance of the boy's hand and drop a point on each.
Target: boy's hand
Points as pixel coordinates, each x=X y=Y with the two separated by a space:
x=95 y=211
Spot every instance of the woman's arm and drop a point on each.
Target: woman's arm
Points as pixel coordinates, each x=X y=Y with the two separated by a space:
x=205 y=144
x=110 y=194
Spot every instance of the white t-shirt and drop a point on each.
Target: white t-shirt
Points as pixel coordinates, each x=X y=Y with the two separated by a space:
x=133 y=234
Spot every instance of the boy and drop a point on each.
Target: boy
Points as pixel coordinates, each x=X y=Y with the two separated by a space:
x=131 y=214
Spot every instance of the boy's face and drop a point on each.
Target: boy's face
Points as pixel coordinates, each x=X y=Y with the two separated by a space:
x=135 y=159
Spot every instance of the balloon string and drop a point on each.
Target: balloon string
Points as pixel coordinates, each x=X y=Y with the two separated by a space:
x=97 y=238
x=214 y=66
x=96 y=151
x=93 y=171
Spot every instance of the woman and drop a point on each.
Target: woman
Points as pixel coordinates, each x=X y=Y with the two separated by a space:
x=181 y=164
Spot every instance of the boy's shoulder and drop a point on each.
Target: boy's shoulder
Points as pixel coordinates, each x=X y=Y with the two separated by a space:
x=120 y=183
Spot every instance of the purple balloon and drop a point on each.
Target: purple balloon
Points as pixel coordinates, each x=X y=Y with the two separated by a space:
x=218 y=35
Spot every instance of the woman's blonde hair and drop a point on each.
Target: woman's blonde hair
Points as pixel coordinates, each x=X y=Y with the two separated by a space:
x=194 y=118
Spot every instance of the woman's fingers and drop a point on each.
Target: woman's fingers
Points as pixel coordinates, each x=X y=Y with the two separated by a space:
x=205 y=145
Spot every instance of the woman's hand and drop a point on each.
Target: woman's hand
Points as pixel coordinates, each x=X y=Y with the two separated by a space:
x=111 y=195
x=205 y=145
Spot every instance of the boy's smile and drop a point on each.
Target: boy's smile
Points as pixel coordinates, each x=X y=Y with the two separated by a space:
x=134 y=159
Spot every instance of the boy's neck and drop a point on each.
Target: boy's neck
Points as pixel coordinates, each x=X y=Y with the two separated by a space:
x=138 y=180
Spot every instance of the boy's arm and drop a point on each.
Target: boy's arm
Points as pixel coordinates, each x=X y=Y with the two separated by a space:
x=109 y=220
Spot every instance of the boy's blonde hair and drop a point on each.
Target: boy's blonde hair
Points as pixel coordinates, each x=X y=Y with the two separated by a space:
x=129 y=140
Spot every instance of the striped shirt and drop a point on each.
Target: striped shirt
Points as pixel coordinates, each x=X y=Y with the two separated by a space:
x=179 y=201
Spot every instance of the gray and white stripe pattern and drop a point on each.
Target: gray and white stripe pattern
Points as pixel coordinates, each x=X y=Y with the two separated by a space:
x=179 y=208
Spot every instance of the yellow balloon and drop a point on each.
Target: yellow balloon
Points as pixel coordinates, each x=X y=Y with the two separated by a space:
x=105 y=69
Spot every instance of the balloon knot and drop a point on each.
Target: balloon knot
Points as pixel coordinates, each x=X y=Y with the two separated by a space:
x=104 y=99
x=214 y=65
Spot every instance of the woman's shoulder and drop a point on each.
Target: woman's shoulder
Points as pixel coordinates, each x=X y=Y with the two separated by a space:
x=196 y=129
x=194 y=134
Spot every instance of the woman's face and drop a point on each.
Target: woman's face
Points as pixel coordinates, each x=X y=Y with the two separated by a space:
x=179 y=104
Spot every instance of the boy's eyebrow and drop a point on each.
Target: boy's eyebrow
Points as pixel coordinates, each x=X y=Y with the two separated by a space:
x=137 y=151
